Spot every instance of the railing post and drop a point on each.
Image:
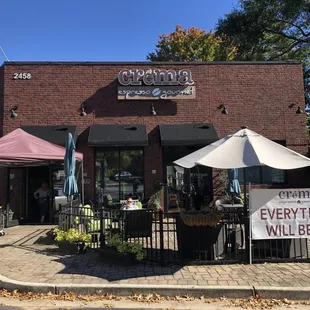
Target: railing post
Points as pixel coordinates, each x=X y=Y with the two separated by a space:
x=102 y=236
x=161 y=238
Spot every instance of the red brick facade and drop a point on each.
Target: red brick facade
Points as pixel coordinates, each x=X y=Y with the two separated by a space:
x=257 y=95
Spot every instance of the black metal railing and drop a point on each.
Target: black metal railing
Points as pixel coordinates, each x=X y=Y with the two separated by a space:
x=280 y=250
x=222 y=242
x=167 y=239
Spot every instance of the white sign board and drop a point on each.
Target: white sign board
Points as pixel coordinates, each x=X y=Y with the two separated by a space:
x=280 y=213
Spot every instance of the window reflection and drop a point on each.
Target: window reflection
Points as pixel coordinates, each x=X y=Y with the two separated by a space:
x=119 y=173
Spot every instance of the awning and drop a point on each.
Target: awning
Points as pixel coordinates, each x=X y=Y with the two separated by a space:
x=20 y=149
x=54 y=134
x=187 y=134
x=118 y=135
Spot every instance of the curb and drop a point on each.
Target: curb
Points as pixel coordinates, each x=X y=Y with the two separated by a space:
x=292 y=293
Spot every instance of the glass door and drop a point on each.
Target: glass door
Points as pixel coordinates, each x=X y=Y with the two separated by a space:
x=16 y=196
x=178 y=180
x=119 y=173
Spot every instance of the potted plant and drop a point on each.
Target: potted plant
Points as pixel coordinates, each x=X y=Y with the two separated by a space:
x=121 y=251
x=71 y=240
x=208 y=215
x=155 y=201
x=198 y=231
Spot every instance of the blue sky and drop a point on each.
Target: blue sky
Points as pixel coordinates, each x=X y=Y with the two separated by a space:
x=97 y=30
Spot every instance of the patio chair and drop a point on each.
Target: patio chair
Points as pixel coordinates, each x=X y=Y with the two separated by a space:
x=92 y=224
x=137 y=224
x=108 y=202
x=139 y=204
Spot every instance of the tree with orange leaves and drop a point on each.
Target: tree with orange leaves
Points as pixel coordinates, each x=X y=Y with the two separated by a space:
x=192 y=44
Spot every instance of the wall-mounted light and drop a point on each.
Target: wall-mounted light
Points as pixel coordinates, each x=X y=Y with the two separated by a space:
x=224 y=109
x=153 y=112
x=13 y=111
x=298 y=110
x=82 y=111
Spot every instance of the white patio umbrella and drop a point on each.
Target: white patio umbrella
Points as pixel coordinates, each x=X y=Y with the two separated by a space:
x=244 y=148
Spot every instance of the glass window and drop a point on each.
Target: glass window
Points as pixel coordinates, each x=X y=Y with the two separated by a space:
x=252 y=175
x=262 y=175
x=107 y=166
x=272 y=176
x=119 y=173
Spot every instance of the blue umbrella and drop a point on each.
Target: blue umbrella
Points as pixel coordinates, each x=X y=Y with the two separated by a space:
x=70 y=186
x=233 y=185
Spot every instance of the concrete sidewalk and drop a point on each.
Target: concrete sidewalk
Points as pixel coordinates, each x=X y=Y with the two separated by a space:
x=27 y=258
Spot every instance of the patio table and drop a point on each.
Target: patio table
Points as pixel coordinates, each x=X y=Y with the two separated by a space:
x=229 y=205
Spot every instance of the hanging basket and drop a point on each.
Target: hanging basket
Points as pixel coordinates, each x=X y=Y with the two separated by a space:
x=201 y=219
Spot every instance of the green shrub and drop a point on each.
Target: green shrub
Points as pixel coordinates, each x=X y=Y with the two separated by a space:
x=121 y=246
x=72 y=235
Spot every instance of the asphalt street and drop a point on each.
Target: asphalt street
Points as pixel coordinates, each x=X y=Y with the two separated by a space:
x=125 y=304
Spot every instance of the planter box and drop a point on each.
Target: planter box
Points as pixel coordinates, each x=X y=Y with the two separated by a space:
x=111 y=255
x=194 y=240
x=201 y=219
x=72 y=248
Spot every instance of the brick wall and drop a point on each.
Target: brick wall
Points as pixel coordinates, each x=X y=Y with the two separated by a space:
x=3 y=176
x=1 y=99
x=256 y=95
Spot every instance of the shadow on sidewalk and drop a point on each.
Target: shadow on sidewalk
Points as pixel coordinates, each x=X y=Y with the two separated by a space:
x=91 y=264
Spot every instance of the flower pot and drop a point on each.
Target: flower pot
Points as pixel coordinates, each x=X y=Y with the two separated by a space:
x=194 y=240
x=201 y=219
x=72 y=248
x=111 y=255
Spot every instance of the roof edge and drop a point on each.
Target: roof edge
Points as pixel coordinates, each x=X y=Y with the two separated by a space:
x=117 y=63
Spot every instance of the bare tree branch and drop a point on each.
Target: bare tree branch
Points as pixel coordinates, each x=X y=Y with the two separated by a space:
x=285 y=51
x=296 y=26
x=281 y=33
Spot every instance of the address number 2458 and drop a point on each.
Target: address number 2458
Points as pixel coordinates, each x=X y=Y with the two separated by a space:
x=22 y=76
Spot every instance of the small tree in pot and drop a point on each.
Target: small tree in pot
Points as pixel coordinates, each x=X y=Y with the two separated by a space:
x=155 y=200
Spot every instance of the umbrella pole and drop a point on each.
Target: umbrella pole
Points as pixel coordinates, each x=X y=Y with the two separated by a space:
x=51 y=214
x=82 y=178
x=71 y=214
x=246 y=217
x=250 y=229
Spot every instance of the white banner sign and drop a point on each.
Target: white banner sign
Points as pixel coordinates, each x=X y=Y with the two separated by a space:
x=280 y=213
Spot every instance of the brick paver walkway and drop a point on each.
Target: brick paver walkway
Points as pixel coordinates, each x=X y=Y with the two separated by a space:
x=24 y=257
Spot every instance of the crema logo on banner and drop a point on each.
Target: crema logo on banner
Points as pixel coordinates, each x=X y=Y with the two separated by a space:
x=139 y=84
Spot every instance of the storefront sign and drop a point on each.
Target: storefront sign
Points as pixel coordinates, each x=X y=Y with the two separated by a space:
x=155 y=84
x=280 y=213
x=164 y=92
x=155 y=77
